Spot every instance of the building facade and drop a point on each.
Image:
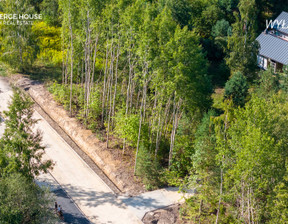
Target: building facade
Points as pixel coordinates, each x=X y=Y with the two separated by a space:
x=273 y=42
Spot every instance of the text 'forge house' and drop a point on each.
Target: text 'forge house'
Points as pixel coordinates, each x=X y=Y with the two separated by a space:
x=273 y=42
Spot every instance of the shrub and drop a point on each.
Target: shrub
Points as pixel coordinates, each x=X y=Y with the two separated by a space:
x=237 y=89
x=128 y=127
x=149 y=169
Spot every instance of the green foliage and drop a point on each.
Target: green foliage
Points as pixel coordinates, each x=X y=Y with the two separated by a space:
x=279 y=206
x=242 y=46
x=20 y=144
x=221 y=29
x=17 y=42
x=128 y=127
x=268 y=83
x=237 y=89
x=164 y=55
x=183 y=150
x=3 y=70
x=283 y=80
x=60 y=92
x=251 y=151
x=94 y=111
x=256 y=150
x=50 y=11
x=228 y=5
x=247 y=147
x=204 y=144
x=22 y=201
x=149 y=169
x=48 y=39
x=204 y=175
x=181 y=11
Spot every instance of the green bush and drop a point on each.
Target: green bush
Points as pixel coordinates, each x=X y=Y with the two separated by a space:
x=94 y=111
x=128 y=127
x=3 y=70
x=237 y=89
x=149 y=169
x=268 y=83
x=22 y=201
x=61 y=93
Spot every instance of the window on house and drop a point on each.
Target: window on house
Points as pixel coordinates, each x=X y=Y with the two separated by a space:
x=273 y=65
x=262 y=62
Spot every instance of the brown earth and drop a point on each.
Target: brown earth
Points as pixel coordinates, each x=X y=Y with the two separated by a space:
x=116 y=167
x=168 y=215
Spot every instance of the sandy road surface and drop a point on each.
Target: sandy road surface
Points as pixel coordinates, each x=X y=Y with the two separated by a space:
x=86 y=188
x=91 y=194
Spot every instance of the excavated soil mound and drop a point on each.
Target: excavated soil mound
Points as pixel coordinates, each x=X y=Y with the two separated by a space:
x=169 y=215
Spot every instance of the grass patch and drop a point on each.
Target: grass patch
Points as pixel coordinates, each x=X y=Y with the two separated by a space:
x=45 y=73
x=218 y=97
x=3 y=70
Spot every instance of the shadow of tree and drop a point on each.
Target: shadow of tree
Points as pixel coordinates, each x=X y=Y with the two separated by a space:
x=45 y=73
x=92 y=198
x=70 y=211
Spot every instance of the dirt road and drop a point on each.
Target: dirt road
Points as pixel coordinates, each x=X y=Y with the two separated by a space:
x=89 y=192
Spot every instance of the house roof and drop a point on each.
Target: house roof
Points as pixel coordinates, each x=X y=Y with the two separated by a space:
x=284 y=17
x=273 y=47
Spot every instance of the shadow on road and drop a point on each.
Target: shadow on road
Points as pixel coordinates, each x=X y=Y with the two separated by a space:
x=70 y=210
x=92 y=198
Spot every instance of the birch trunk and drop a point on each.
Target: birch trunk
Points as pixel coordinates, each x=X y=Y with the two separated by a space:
x=71 y=75
x=116 y=82
x=174 y=128
x=110 y=96
x=104 y=87
x=142 y=109
x=221 y=172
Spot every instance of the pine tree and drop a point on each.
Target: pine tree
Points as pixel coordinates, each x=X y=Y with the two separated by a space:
x=20 y=143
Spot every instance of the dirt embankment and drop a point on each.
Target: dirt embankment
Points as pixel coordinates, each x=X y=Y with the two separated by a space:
x=119 y=171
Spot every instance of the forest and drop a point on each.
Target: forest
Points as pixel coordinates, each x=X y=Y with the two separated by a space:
x=176 y=83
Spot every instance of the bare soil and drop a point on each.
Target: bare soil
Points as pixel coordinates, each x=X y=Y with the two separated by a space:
x=168 y=215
